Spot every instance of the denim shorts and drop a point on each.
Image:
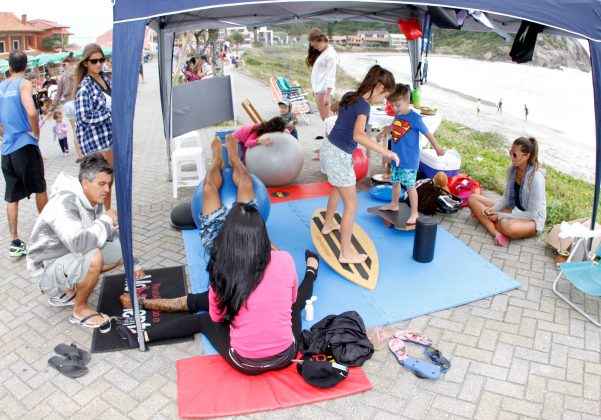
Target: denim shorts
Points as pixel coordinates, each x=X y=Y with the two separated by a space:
x=211 y=224
x=405 y=177
x=69 y=110
x=337 y=165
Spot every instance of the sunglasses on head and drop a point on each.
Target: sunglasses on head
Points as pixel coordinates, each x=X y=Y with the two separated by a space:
x=96 y=60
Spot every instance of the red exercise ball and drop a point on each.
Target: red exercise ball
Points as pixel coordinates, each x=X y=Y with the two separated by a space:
x=361 y=164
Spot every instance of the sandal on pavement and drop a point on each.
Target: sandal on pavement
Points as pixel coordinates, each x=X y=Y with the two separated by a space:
x=62 y=300
x=84 y=322
x=437 y=358
x=127 y=334
x=67 y=366
x=378 y=337
x=425 y=369
x=413 y=336
x=73 y=352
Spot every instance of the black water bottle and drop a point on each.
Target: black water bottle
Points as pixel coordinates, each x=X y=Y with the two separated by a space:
x=425 y=239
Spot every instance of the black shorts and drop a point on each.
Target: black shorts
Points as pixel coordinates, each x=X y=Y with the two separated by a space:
x=23 y=172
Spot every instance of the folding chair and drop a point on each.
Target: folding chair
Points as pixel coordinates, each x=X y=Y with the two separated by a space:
x=300 y=105
x=286 y=87
x=252 y=112
x=584 y=275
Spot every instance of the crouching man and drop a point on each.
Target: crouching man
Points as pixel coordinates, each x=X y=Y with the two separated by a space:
x=74 y=240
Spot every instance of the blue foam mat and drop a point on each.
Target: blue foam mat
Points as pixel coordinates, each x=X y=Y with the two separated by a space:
x=406 y=289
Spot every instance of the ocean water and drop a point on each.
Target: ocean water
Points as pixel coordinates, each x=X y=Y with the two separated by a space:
x=560 y=99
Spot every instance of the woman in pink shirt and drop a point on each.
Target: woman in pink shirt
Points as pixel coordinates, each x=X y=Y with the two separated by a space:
x=249 y=134
x=254 y=306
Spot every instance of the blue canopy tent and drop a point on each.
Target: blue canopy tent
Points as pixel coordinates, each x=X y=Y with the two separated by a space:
x=575 y=18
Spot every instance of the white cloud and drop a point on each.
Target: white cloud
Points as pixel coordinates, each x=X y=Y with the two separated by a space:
x=87 y=19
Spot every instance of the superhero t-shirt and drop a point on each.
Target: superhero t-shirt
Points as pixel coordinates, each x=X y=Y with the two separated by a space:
x=405 y=138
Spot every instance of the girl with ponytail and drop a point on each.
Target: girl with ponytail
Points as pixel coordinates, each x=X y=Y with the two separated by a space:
x=521 y=212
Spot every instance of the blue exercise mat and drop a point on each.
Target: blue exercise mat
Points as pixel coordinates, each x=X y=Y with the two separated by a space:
x=406 y=289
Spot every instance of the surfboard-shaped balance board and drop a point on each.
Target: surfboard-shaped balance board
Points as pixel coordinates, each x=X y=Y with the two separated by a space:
x=398 y=219
x=328 y=247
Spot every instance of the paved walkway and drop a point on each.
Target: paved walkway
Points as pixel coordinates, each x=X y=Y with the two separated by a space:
x=522 y=354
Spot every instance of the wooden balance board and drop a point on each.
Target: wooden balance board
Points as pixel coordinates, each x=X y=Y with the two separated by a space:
x=328 y=247
x=398 y=219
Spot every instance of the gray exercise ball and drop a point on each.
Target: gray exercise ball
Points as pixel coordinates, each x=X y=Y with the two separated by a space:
x=278 y=164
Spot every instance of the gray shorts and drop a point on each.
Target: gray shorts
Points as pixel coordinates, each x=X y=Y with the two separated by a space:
x=69 y=110
x=65 y=272
x=337 y=165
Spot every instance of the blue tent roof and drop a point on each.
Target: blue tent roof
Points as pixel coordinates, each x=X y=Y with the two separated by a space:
x=578 y=17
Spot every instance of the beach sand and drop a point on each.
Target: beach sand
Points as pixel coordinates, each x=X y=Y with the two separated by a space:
x=566 y=150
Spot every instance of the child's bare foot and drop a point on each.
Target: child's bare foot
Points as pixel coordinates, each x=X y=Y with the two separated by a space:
x=216 y=148
x=352 y=258
x=389 y=207
x=232 y=148
x=412 y=219
x=330 y=228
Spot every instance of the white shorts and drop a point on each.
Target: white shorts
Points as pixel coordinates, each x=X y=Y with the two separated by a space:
x=337 y=165
x=69 y=110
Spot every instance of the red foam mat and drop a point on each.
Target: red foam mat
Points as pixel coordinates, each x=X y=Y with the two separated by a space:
x=299 y=192
x=208 y=387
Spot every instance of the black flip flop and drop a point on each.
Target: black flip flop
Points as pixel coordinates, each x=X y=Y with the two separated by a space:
x=126 y=334
x=437 y=358
x=67 y=366
x=73 y=352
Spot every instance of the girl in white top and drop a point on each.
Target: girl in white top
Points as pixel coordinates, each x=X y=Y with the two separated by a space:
x=322 y=58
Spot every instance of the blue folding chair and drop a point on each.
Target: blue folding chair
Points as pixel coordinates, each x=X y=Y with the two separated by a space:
x=584 y=275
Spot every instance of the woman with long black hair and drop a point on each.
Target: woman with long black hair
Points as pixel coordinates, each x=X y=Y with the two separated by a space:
x=254 y=306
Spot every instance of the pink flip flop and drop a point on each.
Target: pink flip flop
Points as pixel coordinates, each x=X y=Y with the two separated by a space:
x=413 y=336
x=399 y=349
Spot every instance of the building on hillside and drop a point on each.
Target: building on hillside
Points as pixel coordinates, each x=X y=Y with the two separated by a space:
x=373 y=34
x=375 y=42
x=353 y=41
x=150 y=40
x=17 y=34
x=339 y=40
x=397 y=41
x=50 y=29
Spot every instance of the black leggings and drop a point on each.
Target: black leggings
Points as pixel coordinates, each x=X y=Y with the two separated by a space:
x=219 y=333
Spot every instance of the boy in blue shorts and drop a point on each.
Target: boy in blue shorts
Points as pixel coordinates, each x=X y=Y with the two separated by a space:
x=404 y=136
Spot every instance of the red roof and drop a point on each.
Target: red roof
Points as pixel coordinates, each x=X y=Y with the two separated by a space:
x=10 y=23
x=44 y=24
x=106 y=39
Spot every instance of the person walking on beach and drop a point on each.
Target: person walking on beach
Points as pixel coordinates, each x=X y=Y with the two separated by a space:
x=500 y=106
x=22 y=164
x=478 y=108
x=337 y=150
x=525 y=112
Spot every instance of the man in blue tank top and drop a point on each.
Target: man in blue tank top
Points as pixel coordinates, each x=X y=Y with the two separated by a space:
x=22 y=164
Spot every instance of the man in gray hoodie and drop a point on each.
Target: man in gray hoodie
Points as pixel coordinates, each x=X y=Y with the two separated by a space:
x=74 y=240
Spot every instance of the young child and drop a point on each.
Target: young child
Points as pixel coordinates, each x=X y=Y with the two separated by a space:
x=60 y=131
x=249 y=134
x=404 y=133
x=287 y=115
x=336 y=154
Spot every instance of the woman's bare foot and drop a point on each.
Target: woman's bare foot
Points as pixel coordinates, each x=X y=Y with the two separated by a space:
x=125 y=300
x=352 y=258
x=330 y=228
x=389 y=207
x=216 y=149
x=232 y=149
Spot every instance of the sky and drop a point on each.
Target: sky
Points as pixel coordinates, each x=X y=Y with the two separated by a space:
x=87 y=19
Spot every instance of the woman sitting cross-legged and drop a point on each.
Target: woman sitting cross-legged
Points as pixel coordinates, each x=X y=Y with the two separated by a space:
x=254 y=307
x=522 y=211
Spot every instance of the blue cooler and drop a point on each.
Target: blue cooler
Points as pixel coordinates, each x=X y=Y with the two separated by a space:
x=430 y=163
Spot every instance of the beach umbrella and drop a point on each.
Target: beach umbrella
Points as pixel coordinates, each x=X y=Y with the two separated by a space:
x=108 y=52
x=3 y=65
x=32 y=62
x=44 y=59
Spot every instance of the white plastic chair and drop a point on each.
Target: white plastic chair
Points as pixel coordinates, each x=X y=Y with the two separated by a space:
x=187 y=149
